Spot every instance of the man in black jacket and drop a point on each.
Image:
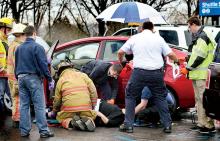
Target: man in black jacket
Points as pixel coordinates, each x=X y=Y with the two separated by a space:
x=104 y=75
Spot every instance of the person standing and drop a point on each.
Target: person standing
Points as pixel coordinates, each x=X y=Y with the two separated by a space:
x=148 y=49
x=17 y=31
x=30 y=68
x=104 y=75
x=197 y=69
x=5 y=28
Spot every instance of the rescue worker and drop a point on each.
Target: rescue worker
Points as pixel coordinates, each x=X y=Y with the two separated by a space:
x=104 y=75
x=148 y=49
x=75 y=97
x=5 y=28
x=17 y=31
x=197 y=70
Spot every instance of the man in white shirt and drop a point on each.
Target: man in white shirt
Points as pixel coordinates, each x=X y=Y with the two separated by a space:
x=148 y=49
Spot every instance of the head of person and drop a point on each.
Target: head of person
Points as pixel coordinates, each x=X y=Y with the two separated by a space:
x=62 y=66
x=30 y=32
x=194 y=24
x=115 y=70
x=18 y=31
x=148 y=25
x=6 y=25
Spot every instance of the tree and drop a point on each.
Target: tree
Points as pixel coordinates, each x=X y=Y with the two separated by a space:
x=95 y=8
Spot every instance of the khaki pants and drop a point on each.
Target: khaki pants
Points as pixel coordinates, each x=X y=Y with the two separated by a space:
x=199 y=89
x=15 y=100
x=65 y=118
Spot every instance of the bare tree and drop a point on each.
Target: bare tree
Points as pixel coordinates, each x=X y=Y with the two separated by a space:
x=95 y=8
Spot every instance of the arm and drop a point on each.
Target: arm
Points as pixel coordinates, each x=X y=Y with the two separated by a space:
x=141 y=106
x=104 y=119
x=173 y=57
x=201 y=51
x=92 y=90
x=42 y=62
x=114 y=88
x=58 y=96
x=120 y=55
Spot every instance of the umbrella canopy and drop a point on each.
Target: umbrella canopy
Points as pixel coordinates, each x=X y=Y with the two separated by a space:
x=126 y=12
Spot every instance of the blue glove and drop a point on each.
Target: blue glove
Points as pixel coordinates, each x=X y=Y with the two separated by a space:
x=51 y=85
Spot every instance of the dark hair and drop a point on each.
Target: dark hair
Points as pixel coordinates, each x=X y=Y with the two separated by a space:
x=194 y=20
x=148 y=25
x=29 y=30
x=117 y=67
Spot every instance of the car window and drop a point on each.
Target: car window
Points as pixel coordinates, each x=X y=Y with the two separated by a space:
x=111 y=49
x=58 y=57
x=188 y=37
x=126 y=32
x=170 y=36
x=84 y=51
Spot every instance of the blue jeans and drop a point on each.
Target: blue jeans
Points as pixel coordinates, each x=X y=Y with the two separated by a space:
x=153 y=79
x=31 y=89
x=4 y=88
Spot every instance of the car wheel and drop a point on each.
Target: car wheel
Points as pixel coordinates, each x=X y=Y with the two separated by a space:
x=7 y=102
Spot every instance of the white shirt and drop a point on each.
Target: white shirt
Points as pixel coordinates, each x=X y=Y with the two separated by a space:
x=147 y=48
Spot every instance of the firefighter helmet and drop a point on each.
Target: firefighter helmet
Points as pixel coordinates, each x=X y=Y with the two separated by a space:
x=6 y=22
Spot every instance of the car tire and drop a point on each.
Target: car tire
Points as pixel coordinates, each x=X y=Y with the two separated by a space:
x=7 y=103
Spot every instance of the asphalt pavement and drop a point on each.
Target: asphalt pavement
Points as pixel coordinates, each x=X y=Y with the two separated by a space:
x=181 y=132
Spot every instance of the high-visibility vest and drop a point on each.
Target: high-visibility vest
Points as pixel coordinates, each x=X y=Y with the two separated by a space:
x=204 y=49
x=3 y=54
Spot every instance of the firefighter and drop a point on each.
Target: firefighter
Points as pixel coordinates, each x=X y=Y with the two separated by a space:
x=5 y=28
x=197 y=70
x=17 y=31
x=75 y=97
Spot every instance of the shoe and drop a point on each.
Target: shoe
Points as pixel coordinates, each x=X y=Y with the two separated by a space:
x=90 y=125
x=205 y=130
x=167 y=129
x=25 y=135
x=46 y=135
x=77 y=123
x=125 y=128
x=195 y=128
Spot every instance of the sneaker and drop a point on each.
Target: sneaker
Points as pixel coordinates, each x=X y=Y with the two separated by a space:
x=90 y=125
x=167 y=129
x=77 y=123
x=126 y=128
x=46 y=135
x=195 y=128
x=205 y=130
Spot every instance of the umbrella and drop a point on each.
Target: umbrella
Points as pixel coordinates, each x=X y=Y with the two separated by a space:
x=126 y=12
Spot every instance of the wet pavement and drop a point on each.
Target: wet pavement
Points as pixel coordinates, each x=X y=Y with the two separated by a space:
x=180 y=132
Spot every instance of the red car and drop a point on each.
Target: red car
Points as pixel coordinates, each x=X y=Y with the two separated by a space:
x=105 y=48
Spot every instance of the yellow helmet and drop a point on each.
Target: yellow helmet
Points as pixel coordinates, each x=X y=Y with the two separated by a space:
x=6 y=22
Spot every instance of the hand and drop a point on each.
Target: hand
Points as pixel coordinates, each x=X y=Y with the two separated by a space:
x=49 y=60
x=184 y=71
x=111 y=101
x=51 y=114
x=51 y=85
x=177 y=62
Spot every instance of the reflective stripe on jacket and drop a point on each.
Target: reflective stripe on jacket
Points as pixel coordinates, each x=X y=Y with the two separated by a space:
x=74 y=92
x=11 y=60
x=204 y=50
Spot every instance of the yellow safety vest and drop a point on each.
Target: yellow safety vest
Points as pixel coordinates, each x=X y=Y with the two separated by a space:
x=204 y=50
